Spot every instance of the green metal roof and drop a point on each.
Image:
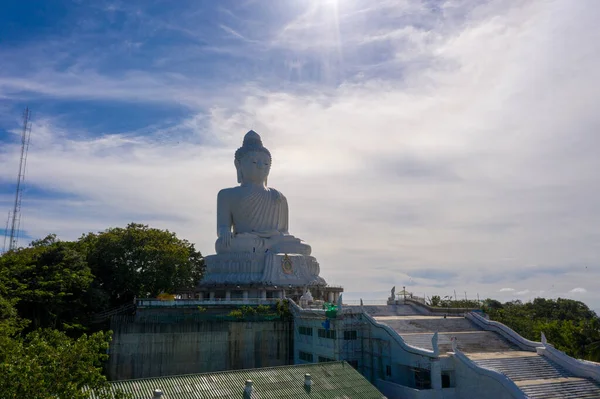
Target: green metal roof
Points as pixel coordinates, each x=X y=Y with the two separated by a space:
x=329 y=380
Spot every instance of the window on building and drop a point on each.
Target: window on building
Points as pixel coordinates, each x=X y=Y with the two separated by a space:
x=422 y=378
x=326 y=333
x=388 y=370
x=323 y=359
x=350 y=335
x=305 y=330
x=447 y=379
x=305 y=356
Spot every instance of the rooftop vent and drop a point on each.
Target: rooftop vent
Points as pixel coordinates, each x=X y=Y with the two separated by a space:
x=248 y=388
x=307 y=380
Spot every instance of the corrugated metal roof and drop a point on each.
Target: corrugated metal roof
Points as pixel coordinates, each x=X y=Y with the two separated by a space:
x=329 y=380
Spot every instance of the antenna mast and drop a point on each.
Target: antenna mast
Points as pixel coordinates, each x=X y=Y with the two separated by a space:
x=6 y=231
x=15 y=222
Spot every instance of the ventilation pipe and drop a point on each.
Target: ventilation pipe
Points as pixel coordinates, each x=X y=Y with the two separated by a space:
x=307 y=380
x=248 y=387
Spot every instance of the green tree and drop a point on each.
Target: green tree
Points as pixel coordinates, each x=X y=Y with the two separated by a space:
x=435 y=301
x=569 y=325
x=139 y=261
x=49 y=281
x=594 y=351
x=48 y=364
x=492 y=304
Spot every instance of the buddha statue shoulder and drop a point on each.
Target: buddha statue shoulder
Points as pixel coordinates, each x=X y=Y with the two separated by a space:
x=253 y=217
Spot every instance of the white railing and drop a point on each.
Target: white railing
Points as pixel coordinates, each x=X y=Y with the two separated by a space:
x=202 y=302
x=580 y=368
x=400 y=341
x=315 y=312
x=505 y=331
x=497 y=376
x=354 y=302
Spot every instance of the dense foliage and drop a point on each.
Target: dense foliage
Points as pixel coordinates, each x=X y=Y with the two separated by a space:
x=569 y=325
x=48 y=280
x=447 y=302
x=47 y=363
x=50 y=291
x=138 y=261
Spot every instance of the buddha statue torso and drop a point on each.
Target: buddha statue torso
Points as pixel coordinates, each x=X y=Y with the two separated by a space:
x=253 y=217
x=258 y=211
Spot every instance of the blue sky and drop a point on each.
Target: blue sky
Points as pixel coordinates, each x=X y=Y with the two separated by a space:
x=442 y=145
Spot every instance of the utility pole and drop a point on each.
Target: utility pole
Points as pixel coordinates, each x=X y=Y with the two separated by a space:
x=15 y=217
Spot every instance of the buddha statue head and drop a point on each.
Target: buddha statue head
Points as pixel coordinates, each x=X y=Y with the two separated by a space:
x=252 y=160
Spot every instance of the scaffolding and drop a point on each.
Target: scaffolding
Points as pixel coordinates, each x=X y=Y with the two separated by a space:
x=358 y=347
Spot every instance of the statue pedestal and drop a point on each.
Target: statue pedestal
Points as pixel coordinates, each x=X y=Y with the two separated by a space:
x=245 y=268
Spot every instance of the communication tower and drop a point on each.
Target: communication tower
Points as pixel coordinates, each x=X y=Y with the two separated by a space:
x=14 y=218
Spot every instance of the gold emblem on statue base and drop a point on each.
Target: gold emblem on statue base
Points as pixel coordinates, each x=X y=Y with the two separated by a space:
x=287 y=265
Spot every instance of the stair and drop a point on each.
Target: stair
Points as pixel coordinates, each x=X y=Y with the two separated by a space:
x=526 y=368
x=468 y=342
x=418 y=331
x=428 y=324
x=572 y=388
x=536 y=375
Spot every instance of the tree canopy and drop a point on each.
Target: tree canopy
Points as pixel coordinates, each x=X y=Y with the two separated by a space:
x=49 y=280
x=569 y=325
x=49 y=290
x=138 y=261
x=60 y=284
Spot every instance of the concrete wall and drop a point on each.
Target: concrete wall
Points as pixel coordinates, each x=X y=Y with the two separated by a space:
x=580 y=368
x=150 y=348
x=393 y=391
x=479 y=383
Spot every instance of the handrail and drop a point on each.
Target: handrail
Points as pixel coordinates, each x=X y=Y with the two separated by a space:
x=205 y=301
x=505 y=331
x=433 y=310
x=407 y=347
x=497 y=376
x=578 y=367
x=355 y=302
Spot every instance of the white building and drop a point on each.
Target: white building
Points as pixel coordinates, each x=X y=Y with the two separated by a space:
x=409 y=352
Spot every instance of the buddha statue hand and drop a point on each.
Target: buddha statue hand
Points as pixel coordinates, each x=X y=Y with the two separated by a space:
x=241 y=242
x=225 y=238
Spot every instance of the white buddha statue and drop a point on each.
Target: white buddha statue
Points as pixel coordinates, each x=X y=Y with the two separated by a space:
x=253 y=217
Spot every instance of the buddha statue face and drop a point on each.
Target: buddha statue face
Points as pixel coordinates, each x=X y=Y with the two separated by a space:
x=253 y=167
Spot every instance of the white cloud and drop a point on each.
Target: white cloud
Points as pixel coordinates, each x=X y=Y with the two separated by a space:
x=506 y=290
x=578 y=290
